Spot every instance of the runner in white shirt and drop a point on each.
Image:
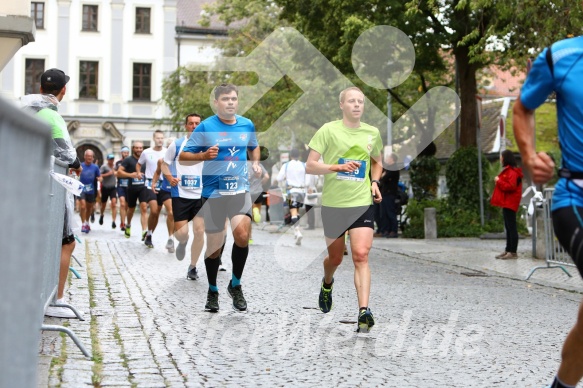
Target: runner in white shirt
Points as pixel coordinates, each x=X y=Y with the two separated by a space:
x=149 y=158
x=294 y=173
x=186 y=182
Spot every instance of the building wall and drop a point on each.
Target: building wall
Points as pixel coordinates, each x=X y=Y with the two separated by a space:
x=113 y=119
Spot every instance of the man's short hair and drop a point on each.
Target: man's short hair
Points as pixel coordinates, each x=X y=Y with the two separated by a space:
x=157 y=131
x=53 y=80
x=89 y=150
x=136 y=142
x=294 y=153
x=343 y=93
x=192 y=115
x=225 y=89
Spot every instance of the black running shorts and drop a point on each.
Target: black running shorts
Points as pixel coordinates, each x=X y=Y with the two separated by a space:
x=162 y=197
x=143 y=194
x=122 y=192
x=568 y=226
x=216 y=210
x=89 y=198
x=337 y=221
x=185 y=209
x=108 y=192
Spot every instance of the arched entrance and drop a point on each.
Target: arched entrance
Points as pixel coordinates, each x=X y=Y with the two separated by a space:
x=96 y=151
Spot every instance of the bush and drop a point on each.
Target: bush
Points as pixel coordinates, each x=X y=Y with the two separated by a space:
x=462 y=175
x=424 y=174
x=454 y=221
x=451 y=221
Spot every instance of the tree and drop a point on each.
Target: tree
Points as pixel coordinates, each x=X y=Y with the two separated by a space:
x=477 y=33
x=262 y=18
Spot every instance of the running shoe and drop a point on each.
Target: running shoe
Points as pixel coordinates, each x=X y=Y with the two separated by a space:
x=101 y=219
x=192 y=273
x=212 y=301
x=83 y=228
x=299 y=238
x=365 y=321
x=221 y=268
x=325 y=299
x=170 y=245
x=148 y=241
x=88 y=228
x=236 y=293
x=93 y=217
x=256 y=215
x=144 y=233
x=180 y=251
x=250 y=241
x=113 y=225
x=122 y=227
x=128 y=231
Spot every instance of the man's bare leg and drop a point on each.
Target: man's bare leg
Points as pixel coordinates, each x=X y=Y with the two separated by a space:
x=571 y=369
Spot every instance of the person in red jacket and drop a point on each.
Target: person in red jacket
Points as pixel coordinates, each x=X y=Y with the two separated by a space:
x=507 y=195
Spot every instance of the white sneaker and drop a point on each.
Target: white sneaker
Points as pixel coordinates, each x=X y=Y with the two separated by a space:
x=299 y=238
x=61 y=312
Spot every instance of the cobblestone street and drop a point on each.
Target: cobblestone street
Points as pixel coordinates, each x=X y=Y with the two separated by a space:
x=438 y=323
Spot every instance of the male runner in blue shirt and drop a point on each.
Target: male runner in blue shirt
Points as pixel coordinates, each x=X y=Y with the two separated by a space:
x=559 y=69
x=89 y=176
x=222 y=142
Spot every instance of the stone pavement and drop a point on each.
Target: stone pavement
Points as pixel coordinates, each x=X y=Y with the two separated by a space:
x=448 y=314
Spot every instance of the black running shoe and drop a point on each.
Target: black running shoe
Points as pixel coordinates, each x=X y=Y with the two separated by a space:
x=212 y=301
x=180 y=251
x=365 y=321
x=239 y=302
x=325 y=299
x=192 y=273
x=92 y=217
x=101 y=219
x=144 y=233
x=148 y=241
x=113 y=225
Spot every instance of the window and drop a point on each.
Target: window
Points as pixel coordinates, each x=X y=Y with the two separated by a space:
x=88 y=79
x=142 y=20
x=142 y=81
x=34 y=68
x=37 y=13
x=89 y=18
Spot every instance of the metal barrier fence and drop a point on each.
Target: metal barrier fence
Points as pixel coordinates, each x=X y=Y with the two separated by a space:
x=52 y=254
x=31 y=244
x=25 y=147
x=555 y=255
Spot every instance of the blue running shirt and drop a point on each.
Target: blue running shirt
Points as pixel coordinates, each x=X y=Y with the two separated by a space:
x=227 y=174
x=88 y=175
x=566 y=82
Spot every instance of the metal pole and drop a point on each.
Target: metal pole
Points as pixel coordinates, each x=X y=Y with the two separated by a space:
x=479 y=143
x=457 y=119
x=389 y=120
x=538 y=187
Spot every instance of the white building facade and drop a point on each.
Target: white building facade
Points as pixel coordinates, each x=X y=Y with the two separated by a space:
x=117 y=53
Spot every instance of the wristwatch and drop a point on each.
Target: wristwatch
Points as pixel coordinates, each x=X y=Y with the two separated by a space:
x=377 y=182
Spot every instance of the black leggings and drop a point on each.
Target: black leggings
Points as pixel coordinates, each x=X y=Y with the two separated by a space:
x=568 y=226
x=511 y=231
